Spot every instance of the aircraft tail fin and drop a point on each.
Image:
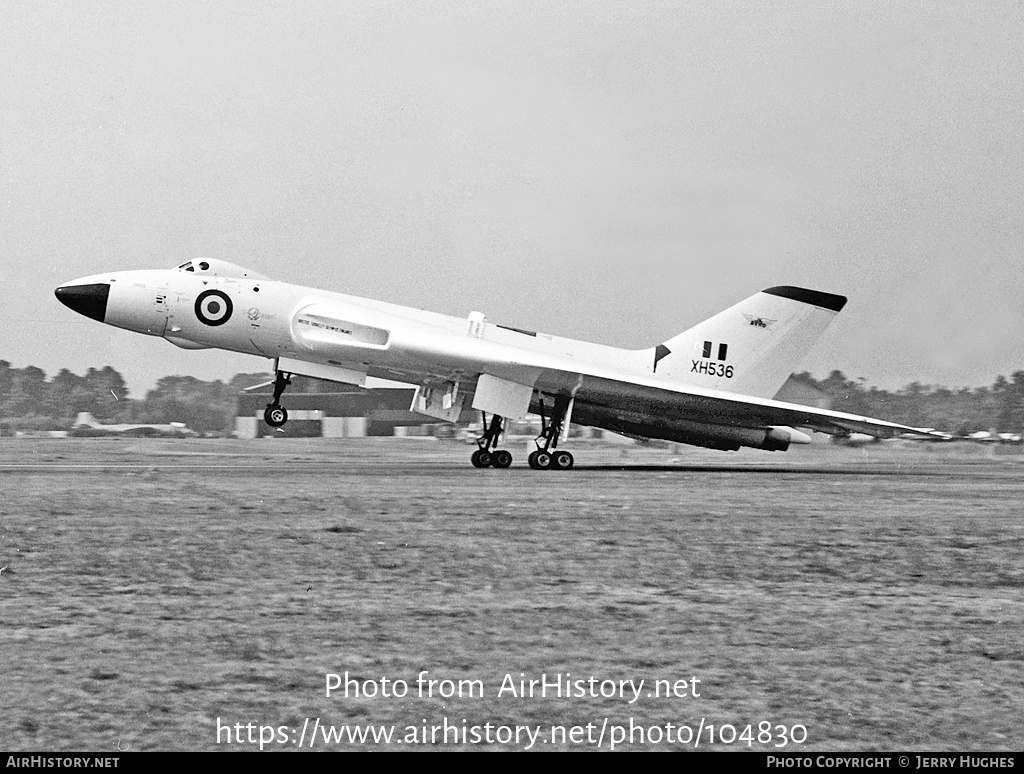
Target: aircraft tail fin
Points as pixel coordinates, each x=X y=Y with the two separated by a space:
x=750 y=348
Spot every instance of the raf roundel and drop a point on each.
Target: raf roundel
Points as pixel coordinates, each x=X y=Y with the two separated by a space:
x=213 y=307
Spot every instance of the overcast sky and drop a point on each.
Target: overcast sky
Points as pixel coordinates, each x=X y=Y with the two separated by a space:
x=612 y=171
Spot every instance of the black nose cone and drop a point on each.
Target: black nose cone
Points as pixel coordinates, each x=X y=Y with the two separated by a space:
x=90 y=300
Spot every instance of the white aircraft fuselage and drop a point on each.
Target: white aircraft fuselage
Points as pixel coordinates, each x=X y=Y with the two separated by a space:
x=710 y=386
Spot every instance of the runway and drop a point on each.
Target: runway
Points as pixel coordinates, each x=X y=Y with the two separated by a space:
x=153 y=588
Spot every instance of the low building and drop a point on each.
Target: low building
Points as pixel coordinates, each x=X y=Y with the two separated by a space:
x=344 y=413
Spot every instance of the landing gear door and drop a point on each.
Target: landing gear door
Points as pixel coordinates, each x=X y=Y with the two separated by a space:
x=506 y=398
x=441 y=401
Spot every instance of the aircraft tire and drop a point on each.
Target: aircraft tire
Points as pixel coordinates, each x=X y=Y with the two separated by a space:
x=481 y=458
x=539 y=460
x=501 y=459
x=275 y=416
x=561 y=460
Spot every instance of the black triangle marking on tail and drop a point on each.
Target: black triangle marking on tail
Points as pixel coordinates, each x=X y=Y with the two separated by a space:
x=660 y=351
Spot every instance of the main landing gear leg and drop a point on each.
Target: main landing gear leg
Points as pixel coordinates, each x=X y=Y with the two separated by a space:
x=545 y=458
x=488 y=454
x=275 y=414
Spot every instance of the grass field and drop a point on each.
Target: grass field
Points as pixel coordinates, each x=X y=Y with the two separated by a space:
x=153 y=588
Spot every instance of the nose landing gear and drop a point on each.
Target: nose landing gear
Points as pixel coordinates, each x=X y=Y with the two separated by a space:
x=275 y=414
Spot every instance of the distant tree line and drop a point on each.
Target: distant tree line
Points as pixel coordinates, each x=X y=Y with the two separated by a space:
x=960 y=411
x=30 y=401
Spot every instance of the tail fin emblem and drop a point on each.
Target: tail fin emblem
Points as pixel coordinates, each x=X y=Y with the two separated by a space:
x=758 y=322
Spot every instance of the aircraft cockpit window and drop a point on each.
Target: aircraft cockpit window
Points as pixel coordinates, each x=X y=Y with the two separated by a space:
x=187 y=266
